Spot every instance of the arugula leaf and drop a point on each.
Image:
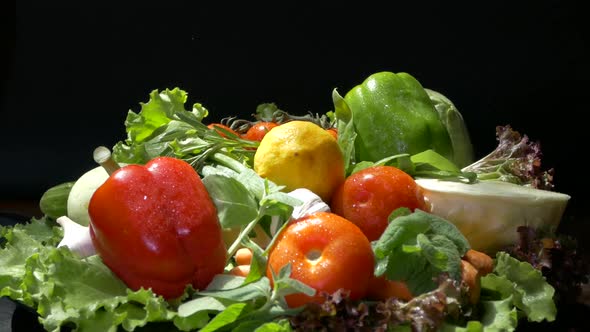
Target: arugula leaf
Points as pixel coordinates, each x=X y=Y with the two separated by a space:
x=426 y=164
x=437 y=160
x=431 y=164
x=401 y=161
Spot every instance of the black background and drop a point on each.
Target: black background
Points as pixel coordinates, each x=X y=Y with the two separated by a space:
x=72 y=71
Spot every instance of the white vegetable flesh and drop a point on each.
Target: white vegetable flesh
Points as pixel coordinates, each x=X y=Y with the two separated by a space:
x=489 y=212
x=81 y=193
x=312 y=203
x=76 y=237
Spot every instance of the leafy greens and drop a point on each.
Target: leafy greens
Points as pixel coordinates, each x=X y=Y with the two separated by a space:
x=419 y=248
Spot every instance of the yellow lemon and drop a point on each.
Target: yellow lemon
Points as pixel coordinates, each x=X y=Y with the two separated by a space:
x=301 y=154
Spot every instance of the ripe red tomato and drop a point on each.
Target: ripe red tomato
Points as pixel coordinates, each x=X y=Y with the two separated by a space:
x=368 y=197
x=326 y=252
x=219 y=125
x=258 y=130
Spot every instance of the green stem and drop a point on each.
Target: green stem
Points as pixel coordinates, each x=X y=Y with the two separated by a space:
x=235 y=245
x=229 y=162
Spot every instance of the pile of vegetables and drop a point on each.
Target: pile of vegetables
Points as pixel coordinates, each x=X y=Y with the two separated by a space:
x=440 y=242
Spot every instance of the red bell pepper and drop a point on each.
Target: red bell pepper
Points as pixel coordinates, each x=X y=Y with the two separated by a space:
x=156 y=227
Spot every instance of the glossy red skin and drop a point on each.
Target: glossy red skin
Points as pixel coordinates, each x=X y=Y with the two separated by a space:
x=259 y=130
x=368 y=197
x=346 y=259
x=155 y=226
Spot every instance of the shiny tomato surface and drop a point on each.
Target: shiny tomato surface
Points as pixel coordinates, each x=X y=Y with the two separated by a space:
x=326 y=252
x=259 y=130
x=368 y=197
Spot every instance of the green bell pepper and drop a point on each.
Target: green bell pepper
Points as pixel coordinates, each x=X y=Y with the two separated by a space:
x=393 y=114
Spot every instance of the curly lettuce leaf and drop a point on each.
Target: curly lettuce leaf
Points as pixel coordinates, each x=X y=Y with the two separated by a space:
x=159 y=110
x=516 y=159
x=160 y=121
x=17 y=244
x=164 y=127
x=527 y=287
x=498 y=315
x=65 y=290
x=514 y=290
